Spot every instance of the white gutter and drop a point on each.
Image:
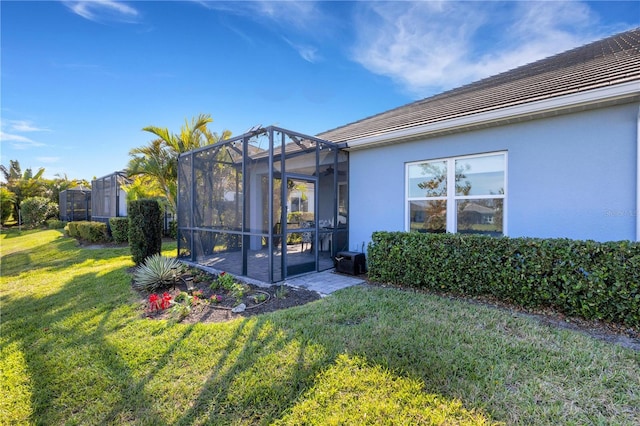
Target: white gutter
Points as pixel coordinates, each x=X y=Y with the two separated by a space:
x=557 y=104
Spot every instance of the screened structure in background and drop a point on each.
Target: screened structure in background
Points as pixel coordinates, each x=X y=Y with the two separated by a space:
x=75 y=204
x=108 y=199
x=267 y=205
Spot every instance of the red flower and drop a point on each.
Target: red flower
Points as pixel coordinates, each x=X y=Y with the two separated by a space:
x=222 y=274
x=166 y=301
x=154 y=302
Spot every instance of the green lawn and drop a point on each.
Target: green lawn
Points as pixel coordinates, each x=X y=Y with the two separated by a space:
x=75 y=349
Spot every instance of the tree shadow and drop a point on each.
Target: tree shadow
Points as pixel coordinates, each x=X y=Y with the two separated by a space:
x=17 y=262
x=53 y=334
x=79 y=330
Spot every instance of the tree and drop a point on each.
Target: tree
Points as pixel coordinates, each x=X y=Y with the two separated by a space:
x=53 y=187
x=142 y=186
x=158 y=160
x=22 y=185
x=192 y=136
x=7 y=200
x=157 y=164
x=36 y=210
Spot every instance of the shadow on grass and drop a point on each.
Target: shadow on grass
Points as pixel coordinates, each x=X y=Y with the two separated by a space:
x=65 y=340
x=17 y=262
x=92 y=359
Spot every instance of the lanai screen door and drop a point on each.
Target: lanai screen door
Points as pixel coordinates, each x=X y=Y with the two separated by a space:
x=300 y=254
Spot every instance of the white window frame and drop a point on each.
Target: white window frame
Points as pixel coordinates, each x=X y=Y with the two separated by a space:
x=451 y=197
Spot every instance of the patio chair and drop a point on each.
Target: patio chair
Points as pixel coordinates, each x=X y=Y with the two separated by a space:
x=306 y=236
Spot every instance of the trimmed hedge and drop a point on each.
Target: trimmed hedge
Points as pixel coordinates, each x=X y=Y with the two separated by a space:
x=93 y=232
x=119 y=229
x=145 y=229
x=579 y=278
x=55 y=224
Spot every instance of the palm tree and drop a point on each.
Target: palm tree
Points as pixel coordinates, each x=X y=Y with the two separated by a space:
x=155 y=162
x=22 y=185
x=61 y=182
x=159 y=159
x=192 y=136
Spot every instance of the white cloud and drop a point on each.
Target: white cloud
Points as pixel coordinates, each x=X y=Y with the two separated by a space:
x=297 y=19
x=24 y=126
x=18 y=141
x=307 y=52
x=428 y=47
x=13 y=136
x=103 y=10
x=299 y=15
x=48 y=160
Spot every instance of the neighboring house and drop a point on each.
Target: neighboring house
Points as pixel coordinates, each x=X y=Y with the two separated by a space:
x=549 y=149
x=108 y=198
x=75 y=204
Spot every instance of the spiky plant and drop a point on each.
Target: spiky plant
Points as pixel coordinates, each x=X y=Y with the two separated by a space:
x=155 y=272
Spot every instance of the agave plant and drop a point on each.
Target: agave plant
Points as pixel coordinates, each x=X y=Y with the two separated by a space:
x=155 y=272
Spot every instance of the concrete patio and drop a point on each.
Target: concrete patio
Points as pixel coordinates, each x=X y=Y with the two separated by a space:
x=325 y=282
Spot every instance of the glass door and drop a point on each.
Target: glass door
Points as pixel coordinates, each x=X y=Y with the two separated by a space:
x=300 y=205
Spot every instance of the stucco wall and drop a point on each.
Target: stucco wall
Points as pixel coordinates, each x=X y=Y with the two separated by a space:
x=570 y=176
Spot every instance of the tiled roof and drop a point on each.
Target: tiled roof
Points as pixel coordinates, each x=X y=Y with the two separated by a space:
x=606 y=62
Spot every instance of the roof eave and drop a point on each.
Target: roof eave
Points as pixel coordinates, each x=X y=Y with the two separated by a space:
x=597 y=97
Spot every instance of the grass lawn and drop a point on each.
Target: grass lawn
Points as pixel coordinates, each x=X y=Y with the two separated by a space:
x=75 y=349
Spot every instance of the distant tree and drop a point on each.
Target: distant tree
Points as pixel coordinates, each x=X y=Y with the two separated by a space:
x=143 y=186
x=36 y=210
x=7 y=200
x=158 y=160
x=53 y=187
x=22 y=185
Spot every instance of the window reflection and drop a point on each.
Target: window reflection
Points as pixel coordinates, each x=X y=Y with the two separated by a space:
x=428 y=216
x=428 y=179
x=480 y=175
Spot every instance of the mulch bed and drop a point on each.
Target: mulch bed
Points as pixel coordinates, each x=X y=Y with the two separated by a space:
x=277 y=297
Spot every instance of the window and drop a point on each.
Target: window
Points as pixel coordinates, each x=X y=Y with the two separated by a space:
x=460 y=194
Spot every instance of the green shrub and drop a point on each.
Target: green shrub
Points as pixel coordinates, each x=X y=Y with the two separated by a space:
x=155 y=272
x=72 y=230
x=173 y=230
x=119 y=229
x=93 y=232
x=55 y=224
x=145 y=229
x=579 y=278
x=36 y=210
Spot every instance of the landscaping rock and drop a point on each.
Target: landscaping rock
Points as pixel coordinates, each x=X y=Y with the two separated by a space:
x=240 y=308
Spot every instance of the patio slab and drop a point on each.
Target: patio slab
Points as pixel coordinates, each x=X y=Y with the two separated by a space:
x=325 y=282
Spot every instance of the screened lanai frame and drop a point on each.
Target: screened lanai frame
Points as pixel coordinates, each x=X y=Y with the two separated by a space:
x=108 y=199
x=236 y=215
x=75 y=204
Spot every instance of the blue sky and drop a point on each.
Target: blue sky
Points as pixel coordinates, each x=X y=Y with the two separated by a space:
x=80 y=79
